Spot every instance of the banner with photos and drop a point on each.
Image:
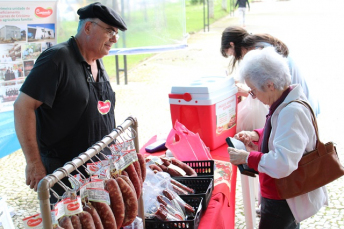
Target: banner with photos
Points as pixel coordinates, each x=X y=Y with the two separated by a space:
x=27 y=28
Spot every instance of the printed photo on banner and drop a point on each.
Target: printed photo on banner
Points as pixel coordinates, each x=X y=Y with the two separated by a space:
x=10 y=52
x=12 y=33
x=28 y=65
x=31 y=51
x=40 y=32
x=11 y=79
x=11 y=71
x=46 y=45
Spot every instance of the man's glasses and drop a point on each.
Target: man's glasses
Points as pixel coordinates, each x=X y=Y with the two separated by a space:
x=111 y=33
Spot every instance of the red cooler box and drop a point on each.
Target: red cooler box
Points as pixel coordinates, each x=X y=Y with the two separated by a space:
x=207 y=106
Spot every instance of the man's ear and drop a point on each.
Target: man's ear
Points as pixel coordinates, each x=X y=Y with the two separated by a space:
x=232 y=44
x=87 y=27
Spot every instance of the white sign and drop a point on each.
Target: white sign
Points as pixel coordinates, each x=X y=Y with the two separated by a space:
x=26 y=30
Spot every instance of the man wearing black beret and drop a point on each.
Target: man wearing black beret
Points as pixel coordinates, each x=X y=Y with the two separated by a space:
x=66 y=103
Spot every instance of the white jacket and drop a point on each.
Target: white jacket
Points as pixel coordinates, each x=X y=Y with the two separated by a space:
x=292 y=132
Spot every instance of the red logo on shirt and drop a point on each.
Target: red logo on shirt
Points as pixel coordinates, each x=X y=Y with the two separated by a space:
x=104 y=107
x=41 y=12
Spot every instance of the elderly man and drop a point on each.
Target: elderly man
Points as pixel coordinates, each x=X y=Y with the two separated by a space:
x=66 y=103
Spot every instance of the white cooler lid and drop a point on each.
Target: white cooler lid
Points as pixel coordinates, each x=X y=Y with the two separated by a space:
x=204 y=85
x=203 y=91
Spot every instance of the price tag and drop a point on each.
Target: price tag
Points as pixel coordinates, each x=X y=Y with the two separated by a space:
x=98 y=195
x=72 y=207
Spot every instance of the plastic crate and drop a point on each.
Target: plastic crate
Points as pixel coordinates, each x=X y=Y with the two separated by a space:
x=202 y=168
x=203 y=187
x=192 y=223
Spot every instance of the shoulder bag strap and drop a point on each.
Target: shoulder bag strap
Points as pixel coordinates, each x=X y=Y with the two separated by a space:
x=314 y=121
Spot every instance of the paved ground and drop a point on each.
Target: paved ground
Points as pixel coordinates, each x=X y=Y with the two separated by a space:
x=309 y=27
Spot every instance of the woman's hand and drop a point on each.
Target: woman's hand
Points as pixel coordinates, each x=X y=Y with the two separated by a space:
x=247 y=137
x=242 y=89
x=236 y=156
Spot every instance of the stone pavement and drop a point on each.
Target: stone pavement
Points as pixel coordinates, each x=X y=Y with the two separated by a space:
x=313 y=33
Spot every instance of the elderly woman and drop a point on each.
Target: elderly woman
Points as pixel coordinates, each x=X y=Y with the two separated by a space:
x=287 y=135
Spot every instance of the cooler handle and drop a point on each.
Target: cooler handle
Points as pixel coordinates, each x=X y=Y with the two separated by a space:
x=186 y=96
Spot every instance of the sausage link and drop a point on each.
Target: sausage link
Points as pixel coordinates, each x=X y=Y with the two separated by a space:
x=155 y=167
x=134 y=179
x=166 y=161
x=116 y=200
x=178 y=190
x=138 y=171
x=189 y=171
x=161 y=200
x=86 y=220
x=142 y=166
x=173 y=172
x=66 y=223
x=127 y=179
x=182 y=186
x=105 y=214
x=163 y=167
x=130 y=202
x=95 y=216
x=76 y=222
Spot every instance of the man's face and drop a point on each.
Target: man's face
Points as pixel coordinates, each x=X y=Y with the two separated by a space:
x=102 y=37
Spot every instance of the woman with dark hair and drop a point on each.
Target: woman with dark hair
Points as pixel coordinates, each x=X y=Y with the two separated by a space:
x=236 y=42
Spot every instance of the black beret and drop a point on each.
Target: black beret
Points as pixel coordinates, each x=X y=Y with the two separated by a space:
x=104 y=13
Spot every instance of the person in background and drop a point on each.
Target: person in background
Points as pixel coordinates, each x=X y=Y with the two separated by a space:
x=8 y=58
x=242 y=10
x=66 y=103
x=288 y=134
x=236 y=42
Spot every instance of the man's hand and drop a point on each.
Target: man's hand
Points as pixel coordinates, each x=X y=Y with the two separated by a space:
x=34 y=172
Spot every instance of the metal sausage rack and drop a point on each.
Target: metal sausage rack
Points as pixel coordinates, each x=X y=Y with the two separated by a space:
x=48 y=181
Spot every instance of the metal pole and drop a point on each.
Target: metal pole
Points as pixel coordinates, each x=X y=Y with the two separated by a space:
x=141 y=212
x=125 y=70
x=117 y=70
x=204 y=15
x=48 y=181
x=208 y=14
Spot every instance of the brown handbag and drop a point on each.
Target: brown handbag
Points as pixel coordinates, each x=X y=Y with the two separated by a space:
x=315 y=169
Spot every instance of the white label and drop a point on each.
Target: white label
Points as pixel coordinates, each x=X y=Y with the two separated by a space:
x=72 y=207
x=98 y=195
x=128 y=158
x=33 y=222
x=225 y=114
x=59 y=210
x=156 y=160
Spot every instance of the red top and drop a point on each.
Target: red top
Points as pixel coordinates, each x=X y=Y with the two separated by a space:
x=267 y=183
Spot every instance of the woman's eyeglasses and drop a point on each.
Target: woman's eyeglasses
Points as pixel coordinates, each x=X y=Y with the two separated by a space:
x=252 y=93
